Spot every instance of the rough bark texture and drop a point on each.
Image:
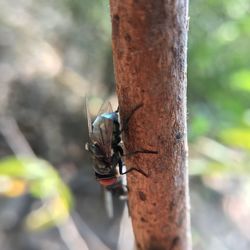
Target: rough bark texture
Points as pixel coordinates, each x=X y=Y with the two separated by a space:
x=149 y=49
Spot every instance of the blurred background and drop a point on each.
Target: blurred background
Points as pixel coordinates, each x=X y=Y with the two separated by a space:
x=53 y=54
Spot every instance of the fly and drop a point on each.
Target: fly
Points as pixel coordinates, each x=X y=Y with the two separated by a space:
x=105 y=146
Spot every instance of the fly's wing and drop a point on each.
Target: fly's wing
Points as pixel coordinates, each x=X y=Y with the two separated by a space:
x=105 y=108
x=88 y=118
x=103 y=129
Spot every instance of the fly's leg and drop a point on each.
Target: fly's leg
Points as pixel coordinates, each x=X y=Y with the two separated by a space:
x=142 y=151
x=120 y=164
x=130 y=169
x=125 y=126
x=135 y=169
x=120 y=150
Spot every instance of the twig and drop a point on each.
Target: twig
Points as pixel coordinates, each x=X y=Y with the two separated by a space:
x=126 y=236
x=92 y=240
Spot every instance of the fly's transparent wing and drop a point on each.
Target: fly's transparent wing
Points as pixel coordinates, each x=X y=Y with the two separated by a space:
x=88 y=118
x=103 y=133
x=105 y=108
x=103 y=128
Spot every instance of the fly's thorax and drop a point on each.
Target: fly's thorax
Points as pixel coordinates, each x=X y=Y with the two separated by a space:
x=100 y=120
x=100 y=125
x=113 y=116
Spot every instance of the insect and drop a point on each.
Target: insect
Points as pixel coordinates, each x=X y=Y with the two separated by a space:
x=105 y=146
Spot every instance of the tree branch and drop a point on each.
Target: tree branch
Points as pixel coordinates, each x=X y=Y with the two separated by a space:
x=149 y=50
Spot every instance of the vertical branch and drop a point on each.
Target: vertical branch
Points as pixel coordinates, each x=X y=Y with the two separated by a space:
x=149 y=50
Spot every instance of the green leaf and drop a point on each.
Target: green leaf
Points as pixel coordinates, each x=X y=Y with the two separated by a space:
x=240 y=80
x=43 y=182
x=237 y=137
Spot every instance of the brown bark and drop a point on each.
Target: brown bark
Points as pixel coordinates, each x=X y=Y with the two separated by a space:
x=149 y=49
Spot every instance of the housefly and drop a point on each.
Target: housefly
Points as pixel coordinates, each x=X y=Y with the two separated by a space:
x=105 y=147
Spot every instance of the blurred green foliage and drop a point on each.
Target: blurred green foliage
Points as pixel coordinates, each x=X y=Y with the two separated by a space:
x=41 y=180
x=218 y=71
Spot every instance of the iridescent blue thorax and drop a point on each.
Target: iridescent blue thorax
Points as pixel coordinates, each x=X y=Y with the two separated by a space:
x=101 y=118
